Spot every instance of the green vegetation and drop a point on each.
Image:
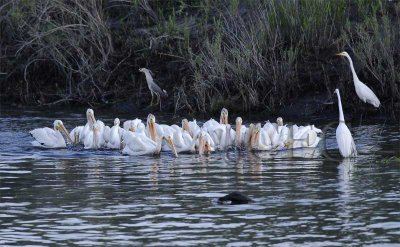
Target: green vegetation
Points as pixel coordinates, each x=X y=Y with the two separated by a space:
x=239 y=54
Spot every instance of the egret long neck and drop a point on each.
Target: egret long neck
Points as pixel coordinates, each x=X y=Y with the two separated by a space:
x=341 y=117
x=355 y=77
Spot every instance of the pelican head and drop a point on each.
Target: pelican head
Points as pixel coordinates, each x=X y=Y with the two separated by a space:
x=224 y=116
x=90 y=116
x=116 y=122
x=170 y=143
x=336 y=91
x=279 y=121
x=151 y=120
x=59 y=126
x=185 y=126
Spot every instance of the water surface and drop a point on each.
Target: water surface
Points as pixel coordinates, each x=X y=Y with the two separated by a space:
x=86 y=197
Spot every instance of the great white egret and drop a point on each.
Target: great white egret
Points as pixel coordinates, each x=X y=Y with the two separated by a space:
x=347 y=147
x=362 y=90
x=50 y=138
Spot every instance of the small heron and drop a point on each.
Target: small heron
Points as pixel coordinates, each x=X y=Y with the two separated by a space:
x=153 y=87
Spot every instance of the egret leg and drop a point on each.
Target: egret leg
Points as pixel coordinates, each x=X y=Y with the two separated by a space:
x=152 y=97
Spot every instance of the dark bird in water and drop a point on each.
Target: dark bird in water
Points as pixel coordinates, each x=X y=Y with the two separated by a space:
x=235 y=198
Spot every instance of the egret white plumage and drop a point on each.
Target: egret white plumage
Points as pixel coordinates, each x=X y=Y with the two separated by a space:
x=153 y=87
x=347 y=147
x=363 y=91
x=50 y=138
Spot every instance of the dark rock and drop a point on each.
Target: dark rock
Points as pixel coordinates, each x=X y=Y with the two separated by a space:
x=235 y=198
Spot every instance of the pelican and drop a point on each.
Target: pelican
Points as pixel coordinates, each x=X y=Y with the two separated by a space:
x=223 y=119
x=260 y=140
x=205 y=143
x=363 y=91
x=94 y=139
x=225 y=136
x=74 y=134
x=306 y=138
x=140 y=144
x=135 y=125
x=191 y=127
x=183 y=141
x=241 y=131
x=50 y=138
x=113 y=135
x=80 y=132
x=345 y=141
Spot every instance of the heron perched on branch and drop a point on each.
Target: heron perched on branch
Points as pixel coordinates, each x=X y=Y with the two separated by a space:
x=153 y=87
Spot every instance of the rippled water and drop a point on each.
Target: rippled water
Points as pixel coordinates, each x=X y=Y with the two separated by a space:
x=310 y=197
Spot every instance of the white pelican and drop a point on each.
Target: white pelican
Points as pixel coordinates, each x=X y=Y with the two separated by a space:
x=94 y=139
x=307 y=137
x=223 y=119
x=224 y=136
x=74 y=134
x=135 y=125
x=153 y=130
x=190 y=126
x=345 y=141
x=274 y=131
x=362 y=90
x=113 y=135
x=205 y=143
x=80 y=132
x=241 y=131
x=182 y=140
x=140 y=144
x=50 y=138
x=260 y=140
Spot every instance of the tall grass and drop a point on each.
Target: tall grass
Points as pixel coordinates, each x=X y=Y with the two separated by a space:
x=241 y=54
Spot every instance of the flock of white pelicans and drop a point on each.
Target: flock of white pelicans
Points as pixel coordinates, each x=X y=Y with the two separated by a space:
x=136 y=138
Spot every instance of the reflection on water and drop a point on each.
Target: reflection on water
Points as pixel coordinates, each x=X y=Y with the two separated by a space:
x=305 y=196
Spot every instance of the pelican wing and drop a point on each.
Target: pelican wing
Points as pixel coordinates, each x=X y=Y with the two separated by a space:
x=47 y=138
x=107 y=133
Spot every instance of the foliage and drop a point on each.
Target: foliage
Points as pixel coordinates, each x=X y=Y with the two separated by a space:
x=242 y=54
